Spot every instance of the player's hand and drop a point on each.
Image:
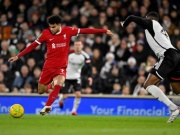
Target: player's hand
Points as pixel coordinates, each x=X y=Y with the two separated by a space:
x=12 y=59
x=90 y=81
x=122 y=23
x=109 y=33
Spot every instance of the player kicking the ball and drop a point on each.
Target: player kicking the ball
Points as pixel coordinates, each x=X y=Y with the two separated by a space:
x=168 y=64
x=57 y=39
x=76 y=61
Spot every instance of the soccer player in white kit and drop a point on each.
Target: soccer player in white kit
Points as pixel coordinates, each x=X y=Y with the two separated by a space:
x=76 y=61
x=168 y=64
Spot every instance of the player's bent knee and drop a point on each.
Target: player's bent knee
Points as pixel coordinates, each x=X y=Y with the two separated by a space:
x=176 y=91
x=145 y=86
x=175 y=87
x=41 y=88
x=40 y=91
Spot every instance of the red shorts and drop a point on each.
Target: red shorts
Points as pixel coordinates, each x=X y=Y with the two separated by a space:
x=48 y=74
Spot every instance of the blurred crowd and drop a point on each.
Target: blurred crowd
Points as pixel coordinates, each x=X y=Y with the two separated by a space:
x=120 y=64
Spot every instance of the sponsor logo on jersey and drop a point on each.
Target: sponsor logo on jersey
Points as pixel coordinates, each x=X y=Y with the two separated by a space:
x=58 y=45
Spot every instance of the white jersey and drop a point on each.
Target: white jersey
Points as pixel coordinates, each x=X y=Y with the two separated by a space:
x=158 y=39
x=75 y=64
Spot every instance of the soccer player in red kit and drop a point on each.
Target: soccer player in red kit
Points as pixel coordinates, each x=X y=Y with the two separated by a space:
x=57 y=39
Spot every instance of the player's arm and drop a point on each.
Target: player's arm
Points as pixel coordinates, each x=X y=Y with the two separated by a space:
x=95 y=31
x=25 y=51
x=143 y=22
x=88 y=67
x=76 y=31
x=28 y=49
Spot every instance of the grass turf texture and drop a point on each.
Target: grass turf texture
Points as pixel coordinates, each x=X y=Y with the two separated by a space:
x=87 y=125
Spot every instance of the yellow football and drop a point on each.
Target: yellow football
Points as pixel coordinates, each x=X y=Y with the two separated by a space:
x=16 y=111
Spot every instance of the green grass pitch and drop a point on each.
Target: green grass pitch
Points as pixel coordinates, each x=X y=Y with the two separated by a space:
x=87 y=125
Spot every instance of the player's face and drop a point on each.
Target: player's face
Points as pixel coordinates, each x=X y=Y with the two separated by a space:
x=54 y=28
x=78 y=46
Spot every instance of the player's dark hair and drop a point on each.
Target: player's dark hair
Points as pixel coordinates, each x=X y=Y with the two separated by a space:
x=54 y=19
x=153 y=16
x=77 y=40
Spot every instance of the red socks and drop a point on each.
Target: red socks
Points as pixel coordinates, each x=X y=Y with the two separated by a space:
x=53 y=95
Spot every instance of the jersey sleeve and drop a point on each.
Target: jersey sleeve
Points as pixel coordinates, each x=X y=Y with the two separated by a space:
x=92 y=31
x=41 y=38
x=143 y=22
x=28 y=49
x=73 y=31
x=88 y=63
x=89 y=67
x=38 y=41
x=76 y=31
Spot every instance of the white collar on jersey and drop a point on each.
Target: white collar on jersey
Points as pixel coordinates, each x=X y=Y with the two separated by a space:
x=59 y=31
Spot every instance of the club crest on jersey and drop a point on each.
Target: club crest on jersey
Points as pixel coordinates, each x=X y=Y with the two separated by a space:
x=53 y=46
x=64 y=36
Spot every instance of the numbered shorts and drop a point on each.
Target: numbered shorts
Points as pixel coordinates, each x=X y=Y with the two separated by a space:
x=69 y=84
x=168 y=66
x=48 y=74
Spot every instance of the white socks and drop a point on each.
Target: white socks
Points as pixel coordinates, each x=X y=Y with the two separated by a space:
x=76 y=104
x=158 y=94
x=61 y=98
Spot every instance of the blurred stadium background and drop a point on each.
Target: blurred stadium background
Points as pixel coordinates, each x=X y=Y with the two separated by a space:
x=117 y=86
x=21 y=22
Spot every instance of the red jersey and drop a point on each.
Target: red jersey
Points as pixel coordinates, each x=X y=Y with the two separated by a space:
x=58 y=44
